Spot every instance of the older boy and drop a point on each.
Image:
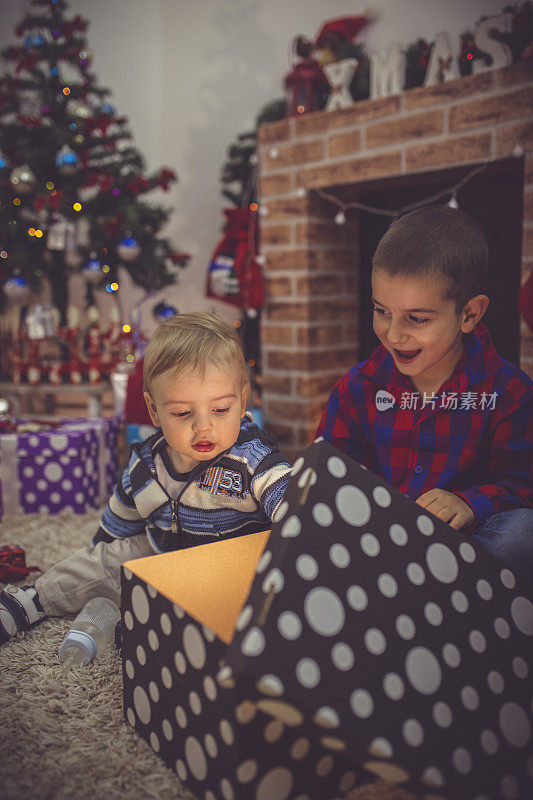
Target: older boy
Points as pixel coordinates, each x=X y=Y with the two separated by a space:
x=208 y=473
x=434 y=409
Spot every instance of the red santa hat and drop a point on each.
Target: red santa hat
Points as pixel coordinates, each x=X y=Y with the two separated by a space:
x=342 y=29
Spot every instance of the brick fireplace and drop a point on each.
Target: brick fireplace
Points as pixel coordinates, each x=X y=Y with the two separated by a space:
x=311 y=331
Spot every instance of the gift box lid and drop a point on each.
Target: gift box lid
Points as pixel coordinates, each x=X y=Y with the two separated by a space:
x=210 y=582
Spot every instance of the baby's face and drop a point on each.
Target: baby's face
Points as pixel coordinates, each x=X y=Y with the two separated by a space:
x=200 y=414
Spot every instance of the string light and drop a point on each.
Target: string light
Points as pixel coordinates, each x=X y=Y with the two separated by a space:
x=39 y=234
x=300 y=109
x=253 y=206
x=453 y=201
x=66 y=91
x=126 y=328
x=77 y=206
x=237 y=323
x=340 y=216
x=106 y=268
x=130 y=358
x=16 y=201
x=3 y=254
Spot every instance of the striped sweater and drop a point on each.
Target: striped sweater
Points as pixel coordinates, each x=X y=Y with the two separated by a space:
x=235 y=493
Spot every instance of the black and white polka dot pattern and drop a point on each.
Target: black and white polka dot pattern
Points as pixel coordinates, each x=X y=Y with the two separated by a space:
x=203 y=724
x=393 y=639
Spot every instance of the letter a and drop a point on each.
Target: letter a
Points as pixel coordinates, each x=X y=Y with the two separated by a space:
x=442 y=63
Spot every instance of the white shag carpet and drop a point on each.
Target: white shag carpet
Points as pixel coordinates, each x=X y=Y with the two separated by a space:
x=63 y=735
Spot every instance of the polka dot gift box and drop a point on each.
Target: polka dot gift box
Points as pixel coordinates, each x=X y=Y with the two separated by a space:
x=179 y=613
x=401 y=645
x=73 y=466
x=374 y=642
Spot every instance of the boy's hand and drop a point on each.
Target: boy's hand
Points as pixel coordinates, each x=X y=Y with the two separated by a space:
x=447 y=507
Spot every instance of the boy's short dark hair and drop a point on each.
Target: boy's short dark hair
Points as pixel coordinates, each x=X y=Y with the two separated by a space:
x=437 y=241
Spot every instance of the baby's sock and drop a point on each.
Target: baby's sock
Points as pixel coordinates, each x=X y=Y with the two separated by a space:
x=20 y=607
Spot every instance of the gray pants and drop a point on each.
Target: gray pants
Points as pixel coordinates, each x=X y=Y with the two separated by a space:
x=93 y=571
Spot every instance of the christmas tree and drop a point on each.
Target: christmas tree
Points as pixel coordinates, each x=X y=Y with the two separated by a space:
x=239 y=171
x=71 y=182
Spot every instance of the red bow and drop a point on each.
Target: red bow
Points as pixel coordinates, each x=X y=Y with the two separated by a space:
x=53 y=200
x=13 y=563
x=165 y=177
x=139 y=185
x=179 y=258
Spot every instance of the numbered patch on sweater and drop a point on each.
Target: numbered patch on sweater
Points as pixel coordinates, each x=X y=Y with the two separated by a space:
x=218 y=480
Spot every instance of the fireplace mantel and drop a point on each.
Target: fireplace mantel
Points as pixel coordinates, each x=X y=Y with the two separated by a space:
x=310 y=324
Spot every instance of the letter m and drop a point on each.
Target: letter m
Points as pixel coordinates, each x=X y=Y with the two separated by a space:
x=387 y=73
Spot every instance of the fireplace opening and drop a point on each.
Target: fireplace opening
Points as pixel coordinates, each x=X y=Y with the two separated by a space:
x=495 y=199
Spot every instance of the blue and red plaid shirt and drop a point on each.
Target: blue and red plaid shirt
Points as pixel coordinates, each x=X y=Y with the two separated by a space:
x=473 y=438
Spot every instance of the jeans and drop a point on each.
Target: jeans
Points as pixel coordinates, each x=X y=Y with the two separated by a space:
x=509 y=536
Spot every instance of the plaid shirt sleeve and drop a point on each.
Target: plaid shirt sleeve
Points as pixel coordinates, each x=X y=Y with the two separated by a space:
x=510 y=458
x=339 y=424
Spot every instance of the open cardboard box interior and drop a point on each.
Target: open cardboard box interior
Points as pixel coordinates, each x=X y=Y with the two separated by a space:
x=210 y=582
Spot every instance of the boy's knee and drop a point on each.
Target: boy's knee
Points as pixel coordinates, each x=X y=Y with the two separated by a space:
x=517 y=521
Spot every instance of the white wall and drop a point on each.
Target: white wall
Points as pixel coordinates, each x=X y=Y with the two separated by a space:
x=191 y=74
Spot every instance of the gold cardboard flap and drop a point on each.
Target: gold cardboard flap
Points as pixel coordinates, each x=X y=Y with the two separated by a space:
x=210 y=582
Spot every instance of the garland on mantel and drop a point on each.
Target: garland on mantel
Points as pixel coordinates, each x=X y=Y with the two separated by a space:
x=238 y=172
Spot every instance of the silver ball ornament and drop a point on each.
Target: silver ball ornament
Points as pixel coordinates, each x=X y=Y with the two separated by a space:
x=128 y=249
x=92 y=271
x=22 y=179
x=67 y=161
x=79 y=109
x=17 y=289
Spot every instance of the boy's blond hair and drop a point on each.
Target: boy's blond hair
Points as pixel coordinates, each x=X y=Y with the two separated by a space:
x=189 y=342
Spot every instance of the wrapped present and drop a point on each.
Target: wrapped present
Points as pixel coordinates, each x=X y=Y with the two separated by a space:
x=179 y=612
x=72 y=465
x=375 y=642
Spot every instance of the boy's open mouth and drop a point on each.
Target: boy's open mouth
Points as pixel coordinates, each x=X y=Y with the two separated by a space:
x=406 y=356
x=204 y=447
